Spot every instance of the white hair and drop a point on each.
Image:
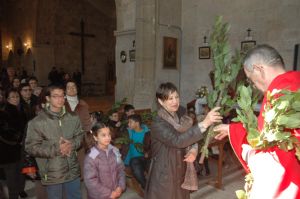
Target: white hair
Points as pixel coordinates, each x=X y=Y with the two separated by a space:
x=263 y=54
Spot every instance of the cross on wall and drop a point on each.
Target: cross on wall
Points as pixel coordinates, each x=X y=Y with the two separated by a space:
x=82 y=36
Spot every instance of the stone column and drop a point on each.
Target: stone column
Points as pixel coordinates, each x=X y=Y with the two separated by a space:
x=125 y=35
x=144 y=90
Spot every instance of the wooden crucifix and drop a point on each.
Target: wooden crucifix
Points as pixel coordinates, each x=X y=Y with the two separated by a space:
x=82 y=35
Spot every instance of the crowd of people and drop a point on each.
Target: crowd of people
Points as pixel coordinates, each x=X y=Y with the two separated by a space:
x=48 y=135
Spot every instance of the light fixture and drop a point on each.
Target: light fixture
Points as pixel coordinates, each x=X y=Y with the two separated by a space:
x=27 y=45
x=8 y=47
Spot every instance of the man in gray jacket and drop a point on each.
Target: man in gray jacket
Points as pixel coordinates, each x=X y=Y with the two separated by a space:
x=52 y=138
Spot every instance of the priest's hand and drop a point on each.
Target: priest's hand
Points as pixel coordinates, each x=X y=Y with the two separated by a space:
x=223 y=130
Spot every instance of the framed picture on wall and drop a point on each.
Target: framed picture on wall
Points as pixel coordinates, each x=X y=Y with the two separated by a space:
x=247 y=45
x=170 y=52
x=132 y=55
x=204 y=52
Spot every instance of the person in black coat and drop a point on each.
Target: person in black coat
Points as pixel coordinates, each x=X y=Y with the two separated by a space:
x=12 y=127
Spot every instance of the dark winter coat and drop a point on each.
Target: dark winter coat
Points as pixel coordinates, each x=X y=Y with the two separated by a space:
x=29 y=109
x=12 y=125
x=167 y=169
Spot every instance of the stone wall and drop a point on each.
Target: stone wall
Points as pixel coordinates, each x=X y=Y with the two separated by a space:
x=274 y=22
x=125 y=36
x=47 y=24
x=146 y=22
x=18 y=25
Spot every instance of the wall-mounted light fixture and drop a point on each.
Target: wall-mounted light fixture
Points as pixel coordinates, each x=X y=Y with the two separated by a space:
x=9 y=47
x=27 y=45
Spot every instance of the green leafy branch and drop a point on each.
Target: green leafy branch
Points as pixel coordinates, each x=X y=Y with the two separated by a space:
x=245 y=113
x=281 y=115
x=124 y=140
x=227 y=67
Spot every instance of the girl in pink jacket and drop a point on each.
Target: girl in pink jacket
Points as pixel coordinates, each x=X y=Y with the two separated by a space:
x=104 y=174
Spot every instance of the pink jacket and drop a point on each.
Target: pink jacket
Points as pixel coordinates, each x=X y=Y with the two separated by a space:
x=103 y=172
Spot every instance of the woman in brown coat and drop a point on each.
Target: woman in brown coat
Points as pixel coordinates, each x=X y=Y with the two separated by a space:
x=78 y=106
x=171 y=133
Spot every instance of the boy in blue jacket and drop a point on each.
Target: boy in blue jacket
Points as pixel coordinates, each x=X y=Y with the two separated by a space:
x=139 y=146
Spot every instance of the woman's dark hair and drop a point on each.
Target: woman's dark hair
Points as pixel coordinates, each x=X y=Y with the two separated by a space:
x=72 y=81
x=89 y=140
x=11 y=90
x=164 y=90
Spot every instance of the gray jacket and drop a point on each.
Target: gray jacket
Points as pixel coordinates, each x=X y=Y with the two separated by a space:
x=42 y=142
x=103 y=172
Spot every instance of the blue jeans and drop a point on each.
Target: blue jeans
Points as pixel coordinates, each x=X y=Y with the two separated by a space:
x=71 y=189
x=138 y=168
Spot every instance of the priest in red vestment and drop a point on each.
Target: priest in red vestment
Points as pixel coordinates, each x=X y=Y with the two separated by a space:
x=276 y=172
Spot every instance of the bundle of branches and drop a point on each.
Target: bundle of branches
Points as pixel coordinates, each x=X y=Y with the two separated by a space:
x=226 y=69
x=281 y=115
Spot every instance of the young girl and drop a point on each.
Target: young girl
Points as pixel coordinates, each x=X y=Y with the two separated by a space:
x=104 y=174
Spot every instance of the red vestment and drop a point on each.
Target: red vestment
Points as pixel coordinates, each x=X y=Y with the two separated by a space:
x=288 y=183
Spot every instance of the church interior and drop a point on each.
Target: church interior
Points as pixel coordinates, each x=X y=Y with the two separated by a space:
x=92 y=37
x=126 y=48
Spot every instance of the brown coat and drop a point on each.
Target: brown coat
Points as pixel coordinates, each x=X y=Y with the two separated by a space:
x=82 y=110
x=167 y=168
